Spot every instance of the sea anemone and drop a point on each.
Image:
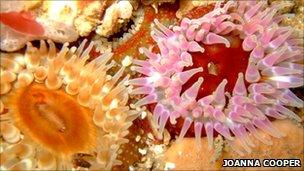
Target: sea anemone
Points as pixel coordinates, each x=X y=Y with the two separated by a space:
x=136 y=33
x=243 y=100
x=59 y=111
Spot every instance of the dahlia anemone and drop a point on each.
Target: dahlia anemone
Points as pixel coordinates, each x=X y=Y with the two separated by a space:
x=261 y=91
x=59 y=111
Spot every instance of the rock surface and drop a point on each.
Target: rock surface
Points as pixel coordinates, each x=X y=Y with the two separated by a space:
x=186 y=156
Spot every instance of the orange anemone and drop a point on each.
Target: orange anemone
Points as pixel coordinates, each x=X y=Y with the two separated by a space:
x=53 y=119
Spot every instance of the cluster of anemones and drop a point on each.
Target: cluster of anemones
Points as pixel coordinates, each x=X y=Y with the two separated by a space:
x=59 y=111
x=272 y=69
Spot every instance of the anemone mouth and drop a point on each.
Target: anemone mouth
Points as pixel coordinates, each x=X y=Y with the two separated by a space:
x=57 y=105
x=218 y=62
x=52 y=118
x=273 y=67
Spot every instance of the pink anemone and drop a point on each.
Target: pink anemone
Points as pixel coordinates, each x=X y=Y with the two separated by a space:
x=273 y=68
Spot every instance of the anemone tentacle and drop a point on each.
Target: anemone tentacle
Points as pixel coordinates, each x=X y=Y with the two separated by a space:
x=41 y=75
x=273 y=68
